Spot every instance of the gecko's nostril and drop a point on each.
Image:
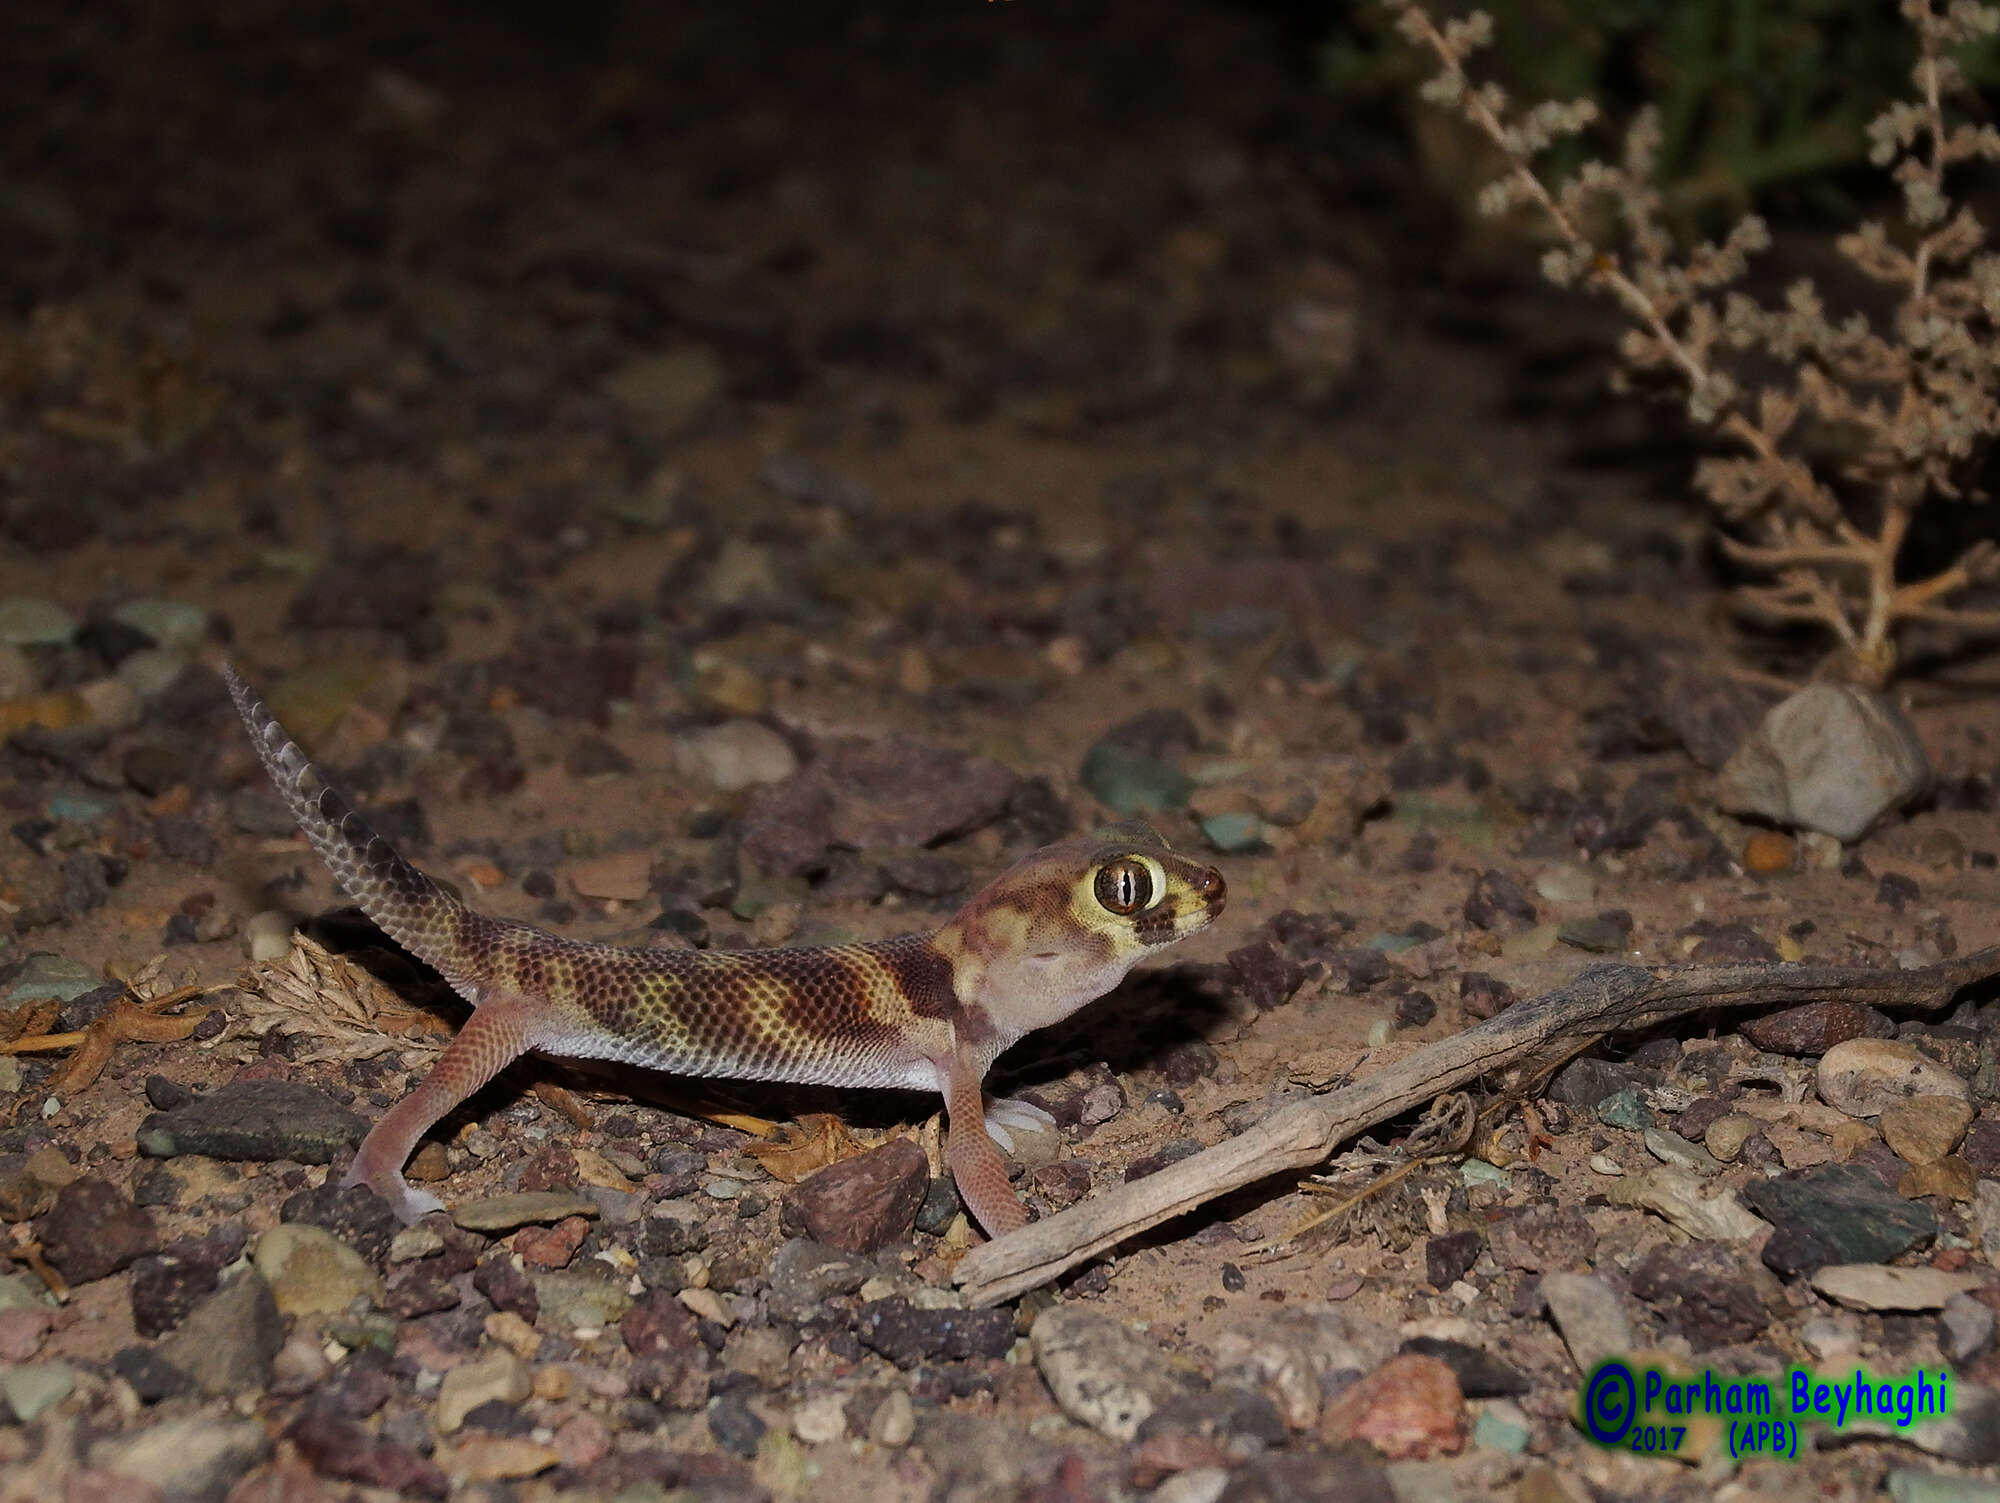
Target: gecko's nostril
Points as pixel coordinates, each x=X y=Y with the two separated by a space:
x=1209 y=886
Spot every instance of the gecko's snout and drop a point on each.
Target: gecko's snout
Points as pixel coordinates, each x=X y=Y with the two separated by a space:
x=1210 y=888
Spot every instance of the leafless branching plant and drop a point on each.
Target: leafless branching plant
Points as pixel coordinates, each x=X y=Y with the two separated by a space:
x=1917 y=402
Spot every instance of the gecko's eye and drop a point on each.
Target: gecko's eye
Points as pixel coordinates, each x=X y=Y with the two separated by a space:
x=1124 y=887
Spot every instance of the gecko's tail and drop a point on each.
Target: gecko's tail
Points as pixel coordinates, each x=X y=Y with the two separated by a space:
x=408 y=906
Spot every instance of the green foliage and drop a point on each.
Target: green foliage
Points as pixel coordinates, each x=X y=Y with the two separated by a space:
x=1752 y=95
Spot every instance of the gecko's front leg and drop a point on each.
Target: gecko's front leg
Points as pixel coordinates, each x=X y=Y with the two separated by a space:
x=975 y=1162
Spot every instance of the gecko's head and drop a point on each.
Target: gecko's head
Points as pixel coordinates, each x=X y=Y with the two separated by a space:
x=1134 y=889
x=1064 y=925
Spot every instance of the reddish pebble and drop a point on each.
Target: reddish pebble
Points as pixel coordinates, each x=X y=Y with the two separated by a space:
x=583 y=1441
x=22 y=1331
x=1410 y=1409
x=551 y=1246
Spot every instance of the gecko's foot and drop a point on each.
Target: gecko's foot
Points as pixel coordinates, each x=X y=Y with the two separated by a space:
x=1008 y=1117
x=409 y=1205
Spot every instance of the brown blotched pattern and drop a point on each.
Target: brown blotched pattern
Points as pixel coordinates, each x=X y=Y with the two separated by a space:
x=928 y=1011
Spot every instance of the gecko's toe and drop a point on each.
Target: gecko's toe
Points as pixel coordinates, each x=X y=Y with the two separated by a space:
x=1008 y=1117
x=410 y=1205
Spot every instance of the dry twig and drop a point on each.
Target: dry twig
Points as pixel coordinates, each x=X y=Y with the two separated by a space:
x=1514 y=1046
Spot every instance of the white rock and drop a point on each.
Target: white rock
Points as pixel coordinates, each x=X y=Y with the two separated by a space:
x=1832 y=1339
x=1882 y=1286
x=1288 y=1355
x=1566 y=884
x=1198 y=1484
x=415 y=1242
x=708 y=1305
x=1862 y=1076
x=1831 y=758
x=1685 y=1199
x=1102 y=1374
x=268 y=935
x=894 y=1421
x=820 y=1420
x=1590 y=1317
x=734 y=755
x=500 y=1375
x=195 y=1457
x=1965 y=1329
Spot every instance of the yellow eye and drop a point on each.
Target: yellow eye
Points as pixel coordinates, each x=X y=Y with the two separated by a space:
x=1125 y=886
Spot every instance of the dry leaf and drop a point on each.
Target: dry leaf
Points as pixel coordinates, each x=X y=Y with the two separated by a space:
x=817 y=1140
x=329 y=998
x=28 y=1020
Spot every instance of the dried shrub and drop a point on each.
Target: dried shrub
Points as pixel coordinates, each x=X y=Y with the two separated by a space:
x=1914 y=404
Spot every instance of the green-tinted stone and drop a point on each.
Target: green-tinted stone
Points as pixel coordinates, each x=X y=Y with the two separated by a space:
x=1479 y=1172
x=576 y=1301
x=79 y=808
x=23 y=1291
x=648 y=510
x=31 y=621
x=254 y=1121
x=1234 y=834
x=177 y=625
x=31 y=1389
x=1498 y=1433
x=151 y=671
x=52 y=977
x=1846 y=1209
x=1599 y=935
x=1907 y=1485
x=1625 y=1109
x=300 y=561
x=1130 y=782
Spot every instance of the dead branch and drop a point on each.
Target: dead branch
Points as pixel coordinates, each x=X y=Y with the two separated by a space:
x=1604 y=999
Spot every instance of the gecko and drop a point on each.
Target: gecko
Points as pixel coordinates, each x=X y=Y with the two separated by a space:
x=1058 y=929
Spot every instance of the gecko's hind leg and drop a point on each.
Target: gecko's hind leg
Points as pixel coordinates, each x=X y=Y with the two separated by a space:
x=496 y=1035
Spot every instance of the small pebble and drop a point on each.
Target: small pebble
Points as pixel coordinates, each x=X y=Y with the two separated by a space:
x=30 y=1390
x=1566 y=884
x=894 y=1421
x=175 y=625
x=1768 y=851
x=1727 y=1134
x=33 y=621
x=503 y=1213
x=267 y=936
x=734 y=755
